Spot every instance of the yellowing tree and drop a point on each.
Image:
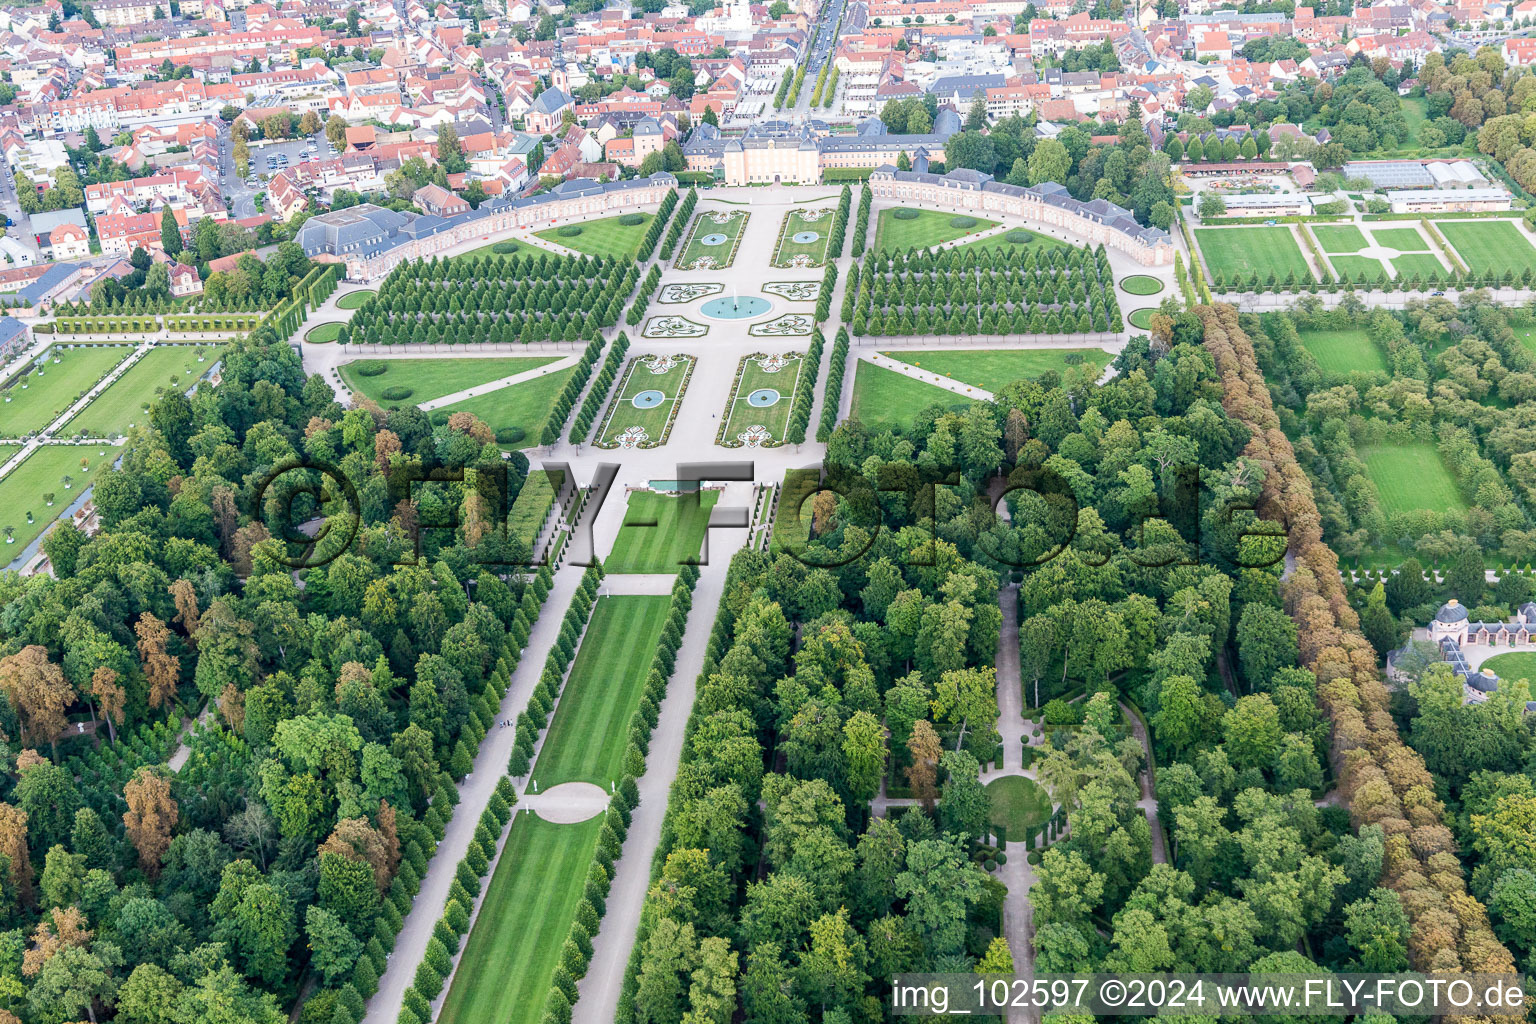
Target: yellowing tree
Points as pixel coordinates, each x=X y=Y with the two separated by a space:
x=162 y=669
x=37 y=690
x=151 y=817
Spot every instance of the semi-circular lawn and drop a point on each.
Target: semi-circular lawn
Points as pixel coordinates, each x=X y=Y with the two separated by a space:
x=355 y=300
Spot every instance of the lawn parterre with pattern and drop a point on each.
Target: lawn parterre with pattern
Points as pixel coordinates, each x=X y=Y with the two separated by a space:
x=660 y=533
x=36 y=396
x=809 y=251
x=1249 y=250
x=26 y=487
x=723 y=228
x=897 y=232
x=645 y=403
x=1489 y=245
x=759 y=375
x=609 y=236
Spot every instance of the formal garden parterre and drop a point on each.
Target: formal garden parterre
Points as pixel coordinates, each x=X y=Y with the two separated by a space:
x=39 y=392
x=803 y=238
x=616 y=237
x=903 y=228
x=646 y=402
x=125 y=403
x=758 y=409
x=713 y=240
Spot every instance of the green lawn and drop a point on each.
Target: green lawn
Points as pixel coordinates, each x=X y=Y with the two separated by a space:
x=1339 y=238
x=1421 y=263
x=355 y=300
x=928 y=228
x=792 y=521
x=22 y=490
x=675 y=539
x=122 y=405
x=1343 y=351
x=526 y=406
x=816 y=249
x=1515 y=665
x=324 y=334
x=1141 y=318
x=434 y=378
x=509 y=958
x=1268 y=250
x=624 y=414
x=1020 y=805
x=740 y=414
x=885 y=400
x=1141 y=284
x=605 y=237
x=1401 y=239
x=1017 y=238
x=1355 y=266
x=1489 y=245
x=1411 y=477
x=731 y=223
x=489 y=250
x=586 y=741
x=994 y=370
x=35 y=400
x=1415 y=112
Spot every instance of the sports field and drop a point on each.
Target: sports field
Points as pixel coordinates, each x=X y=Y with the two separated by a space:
x=526 y=406
x=1401 y=239
x=722 y=227
x=928 y=228
x=509 y=958
x=645 y=403
x=1339 y=238
x=1267 y=250
x=994 y=370
x=43 y=472
x=885 y=400
x=434 y=378
x=355 y=300
x=813 y=249
x=1486 y=245
x=121 y=405
x=742 y=413
x=660 y=532
x=605 y=237
x=1411 y=477
x=586 y=740
x=34 y=400
x=1343 y=351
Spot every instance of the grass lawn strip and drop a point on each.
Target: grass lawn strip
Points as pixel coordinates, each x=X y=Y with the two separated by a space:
x=1422 y=263
x=792 y=521
x=605 y=237
x=121 y=405
x=1018 y=804
x=886 y=400
x=1401 y=239
x=1267 y=250
x=527 y=405
x=1343 y=351
x=815 y=251
x=739 y=414
x=1033 y=241
x=624 y=416
x=1411 y=477
x=355 y=300
x=680 y=521
x=994 y=370
x=1339 y=238
x=434 y=378
x=586 y=740
x=45 y=397
x=504 y=973
x=1486 y=245
x=928 y=228
x=698 y=256
x=22 y=490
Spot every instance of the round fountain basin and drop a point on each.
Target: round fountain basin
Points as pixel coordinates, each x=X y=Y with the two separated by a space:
x=732 y=307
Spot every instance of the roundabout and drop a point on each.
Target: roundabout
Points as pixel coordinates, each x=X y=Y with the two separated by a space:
x=648 y=399
x=737 y=307
x=762 y=398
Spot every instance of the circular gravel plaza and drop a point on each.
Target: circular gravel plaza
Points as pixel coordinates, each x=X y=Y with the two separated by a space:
x=714 y=238
x=1141 y=284
x=1141 y=318
x=648 y=399
x=762 y=398
x=735 y=307
x=804 y=237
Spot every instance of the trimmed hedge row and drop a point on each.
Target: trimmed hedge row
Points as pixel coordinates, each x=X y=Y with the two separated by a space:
x=576 y=957
x=647 y=290
x=839 y=225
x=805 y=390
x=834 y=394
x=824 y=300
x=432 y=971
x=599 y=390
x=555 y=425
x=861 y=226
x=678 y=224
x=653 y=233
x=542 y=703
